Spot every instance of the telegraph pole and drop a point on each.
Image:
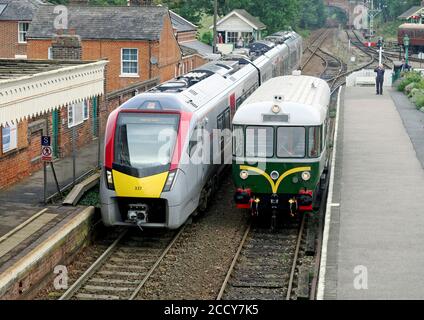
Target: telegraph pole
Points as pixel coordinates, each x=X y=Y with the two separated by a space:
x=215 y=16
x=372 y=13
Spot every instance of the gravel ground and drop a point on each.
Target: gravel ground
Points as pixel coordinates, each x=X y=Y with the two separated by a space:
x=197 y=264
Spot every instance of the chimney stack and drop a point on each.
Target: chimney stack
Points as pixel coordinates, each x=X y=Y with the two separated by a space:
x=67 y=46
x=134 y=3
x=78 y=2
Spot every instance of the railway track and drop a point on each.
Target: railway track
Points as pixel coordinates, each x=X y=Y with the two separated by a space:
x=124 y=267
x=314 y=46
x=371 y=52
x=265 y=264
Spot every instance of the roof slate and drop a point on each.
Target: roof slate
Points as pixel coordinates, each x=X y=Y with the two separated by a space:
x=409 y=12
x=181 y=24
x=19 y=10
x=107 y=22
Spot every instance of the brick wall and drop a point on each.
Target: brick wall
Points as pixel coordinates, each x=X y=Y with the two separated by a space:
x=9 y=45
x=186 y=36
x=166 y=50
x=26 y=158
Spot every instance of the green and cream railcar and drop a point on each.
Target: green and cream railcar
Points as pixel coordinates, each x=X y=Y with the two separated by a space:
x=280 y=145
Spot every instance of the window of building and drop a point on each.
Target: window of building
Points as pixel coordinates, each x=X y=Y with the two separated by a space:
x=50 y=53
x=76 y=114
x=86 y=109
x=232 y=37
x=23 y=30
x=247 y=36
x=129 y=62
x=9 y=138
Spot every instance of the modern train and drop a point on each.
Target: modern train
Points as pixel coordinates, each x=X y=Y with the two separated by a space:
x=163 y=156
x=280 y=151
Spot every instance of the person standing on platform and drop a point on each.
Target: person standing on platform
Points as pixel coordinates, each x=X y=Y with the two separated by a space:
x=380 y=79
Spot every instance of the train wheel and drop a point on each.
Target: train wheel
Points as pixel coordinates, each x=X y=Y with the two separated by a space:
x=203 y=201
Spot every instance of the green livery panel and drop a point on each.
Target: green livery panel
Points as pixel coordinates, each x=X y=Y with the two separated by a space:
x=262 y=177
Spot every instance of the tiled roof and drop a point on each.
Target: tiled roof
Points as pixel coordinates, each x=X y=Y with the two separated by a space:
x=107 y=22
x=181 y=24
x=409 y=12
x=18 y=10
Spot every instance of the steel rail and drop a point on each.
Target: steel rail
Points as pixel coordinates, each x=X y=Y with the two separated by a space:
x=233 y=263
x=93 y=268
x=295 y=258
x=157 y=263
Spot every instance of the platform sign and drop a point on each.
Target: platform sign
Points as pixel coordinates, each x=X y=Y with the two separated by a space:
x=46 y=149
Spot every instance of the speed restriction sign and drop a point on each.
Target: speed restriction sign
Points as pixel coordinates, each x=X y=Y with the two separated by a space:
x=46 y=153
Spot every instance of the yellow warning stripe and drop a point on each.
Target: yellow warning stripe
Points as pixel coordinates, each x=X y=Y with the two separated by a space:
x=275 y=185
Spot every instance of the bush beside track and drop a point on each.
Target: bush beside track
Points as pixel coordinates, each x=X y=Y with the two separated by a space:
x=412 y=84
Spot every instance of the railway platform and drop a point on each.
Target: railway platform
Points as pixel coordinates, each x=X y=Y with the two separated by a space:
x=35 y=238
x=374 y=230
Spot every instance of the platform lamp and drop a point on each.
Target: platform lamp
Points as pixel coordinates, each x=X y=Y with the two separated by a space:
x=406 y=45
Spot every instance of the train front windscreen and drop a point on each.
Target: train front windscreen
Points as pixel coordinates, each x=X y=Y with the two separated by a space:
x=145 y=141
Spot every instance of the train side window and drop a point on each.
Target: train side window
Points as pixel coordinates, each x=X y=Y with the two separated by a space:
x=238 y=141
x=194 y=139
x=220 y=122
x=314 y=142
x=227 y=120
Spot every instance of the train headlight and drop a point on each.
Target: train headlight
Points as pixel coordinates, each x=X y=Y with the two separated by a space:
x=170 y=181
x=244 y=175
x=274 y=175
x=109 y=180
x=306 y=175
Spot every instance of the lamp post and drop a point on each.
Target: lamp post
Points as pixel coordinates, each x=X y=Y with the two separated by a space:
x=215 y=15
x=406 y=45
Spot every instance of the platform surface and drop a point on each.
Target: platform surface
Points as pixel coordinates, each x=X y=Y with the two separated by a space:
x=376 y=239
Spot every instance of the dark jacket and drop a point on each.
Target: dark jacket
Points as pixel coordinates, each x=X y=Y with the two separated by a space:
x=380 y=73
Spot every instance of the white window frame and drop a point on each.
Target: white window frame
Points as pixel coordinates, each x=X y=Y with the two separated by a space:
x=13 y=138
x=50 y=53
x=227 y=38
x=86 y=109
x=72 y=109
x=123 y=74
x=21 y=32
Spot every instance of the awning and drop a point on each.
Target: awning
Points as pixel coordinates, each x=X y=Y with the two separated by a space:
x=23 y=97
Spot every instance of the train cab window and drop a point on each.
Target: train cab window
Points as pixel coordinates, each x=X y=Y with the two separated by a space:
x=314 y=142
x=259 y=142
x=291 y=142
x=145 y=140
x=238 y=141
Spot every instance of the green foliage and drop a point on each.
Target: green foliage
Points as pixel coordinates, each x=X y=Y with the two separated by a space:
x=207 y=37
x=408 y=78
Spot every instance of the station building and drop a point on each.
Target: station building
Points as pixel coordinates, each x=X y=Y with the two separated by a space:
x=45 y=98
x=239 y=24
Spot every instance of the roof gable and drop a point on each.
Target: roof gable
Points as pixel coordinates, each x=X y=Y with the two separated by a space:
x=108 y=22
x=246 y=17
x=411 y=12
x=181 y=24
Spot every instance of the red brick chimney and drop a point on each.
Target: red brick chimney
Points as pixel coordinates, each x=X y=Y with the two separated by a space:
x=78 y=2
x=139 y=2
x=67 y=46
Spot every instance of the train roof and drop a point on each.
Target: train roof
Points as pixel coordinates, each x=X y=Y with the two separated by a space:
x=411 y=26
x=304 y=101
